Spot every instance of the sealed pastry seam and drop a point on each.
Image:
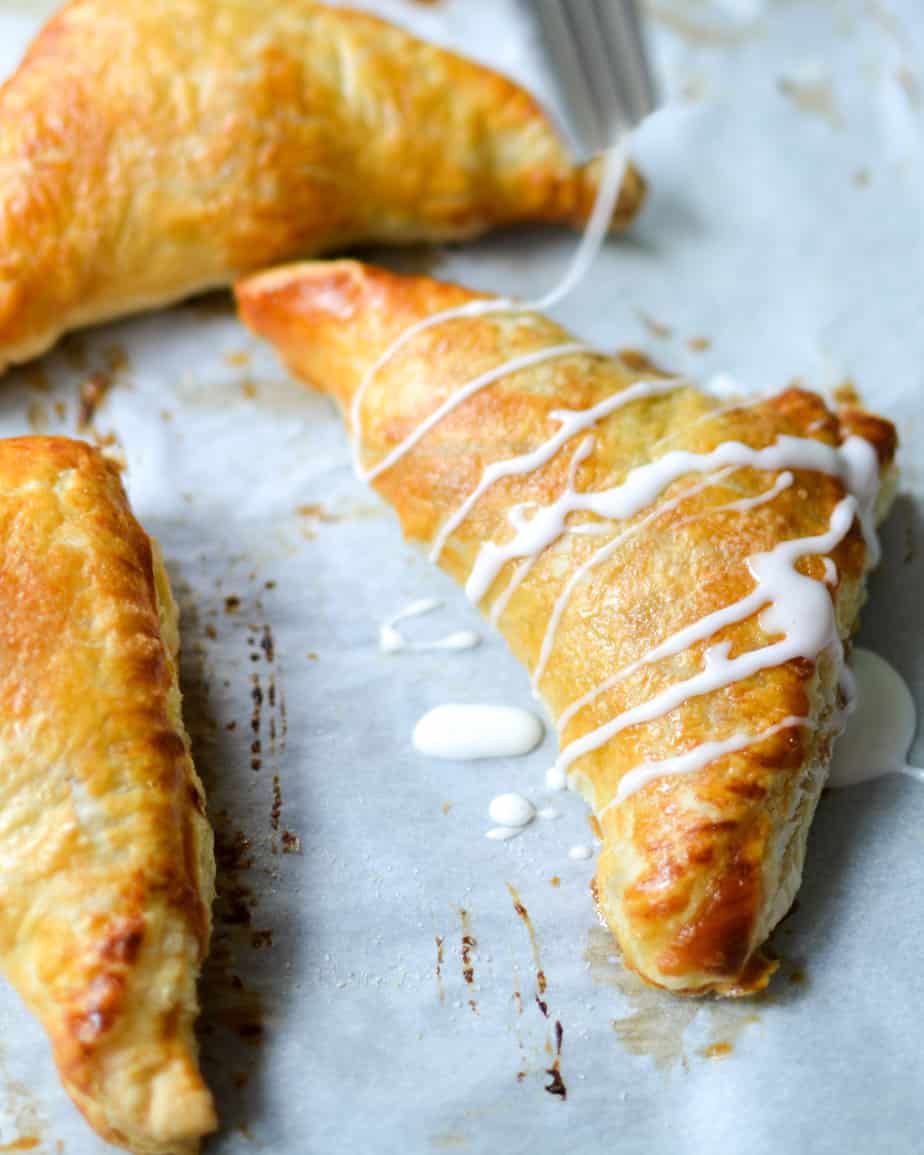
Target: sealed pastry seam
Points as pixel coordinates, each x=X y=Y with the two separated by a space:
x=660 y=561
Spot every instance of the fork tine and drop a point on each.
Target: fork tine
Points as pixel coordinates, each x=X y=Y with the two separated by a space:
x=562 y=45
x=598 y=52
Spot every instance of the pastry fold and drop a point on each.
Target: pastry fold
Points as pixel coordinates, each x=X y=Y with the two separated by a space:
x=106 y=863
x=702 y=799
x=153 y=150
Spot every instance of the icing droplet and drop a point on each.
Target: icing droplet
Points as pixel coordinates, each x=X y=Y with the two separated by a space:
x=556 y=779
x=511 y=810
x=548 y=813
x=476 y=731
x=580 y=853
x=881 y=727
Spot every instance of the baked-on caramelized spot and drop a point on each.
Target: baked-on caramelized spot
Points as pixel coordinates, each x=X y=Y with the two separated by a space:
x=717 y=938
x=123 y=942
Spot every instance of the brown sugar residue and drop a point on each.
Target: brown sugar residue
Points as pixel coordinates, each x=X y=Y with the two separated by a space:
x=712 y=34
x=439 y=969
x=316 y=512
x=256 y=719
x=449 y=1140
x=699 y=344
x=720 y=1050
x=655 y=328
x=523 y=915
x=316 y=515
x=556 y=1085
x=92 y=394
x=36 y=377
x=555 y=881
x=446 y=807
x=37 y=416
x=468 y=948
x=276 y=808
x=232 y=604
x=23 y=1143
x=811 y=92
x=640 y=362
x=237 y=358
x=656 y=1022
x=908 y=83
x=291 y=843
x=861 y=177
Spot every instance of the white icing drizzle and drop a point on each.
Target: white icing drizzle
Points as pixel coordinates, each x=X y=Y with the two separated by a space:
x=571 y=423
x=695 y=759
x=794 y=605
x=392 y=641
x=646 y=482
x=861 y=477
x=469 y=389
x=561 y=603
x=614 y=167
x=705 y=627
x=469 y=732
x=830 y=571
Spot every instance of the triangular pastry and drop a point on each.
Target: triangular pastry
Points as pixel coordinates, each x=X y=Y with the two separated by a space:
x=149 y=151
x=106 y=865
x=679 y=573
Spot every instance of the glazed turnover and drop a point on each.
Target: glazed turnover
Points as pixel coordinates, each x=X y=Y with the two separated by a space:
x=681 y=576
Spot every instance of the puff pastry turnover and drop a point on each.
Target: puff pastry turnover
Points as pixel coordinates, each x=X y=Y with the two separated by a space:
x=106 y=866
x=152 y=150
x=680 y=575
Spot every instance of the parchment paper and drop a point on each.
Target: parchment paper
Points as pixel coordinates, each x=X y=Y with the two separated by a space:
x=784 y=229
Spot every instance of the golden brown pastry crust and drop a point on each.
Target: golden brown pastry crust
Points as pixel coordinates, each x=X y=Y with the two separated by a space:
x=152 y=150
x=695 y=869
x=106 y=865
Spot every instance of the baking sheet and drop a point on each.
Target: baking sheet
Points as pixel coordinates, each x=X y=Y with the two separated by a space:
x=785 y=228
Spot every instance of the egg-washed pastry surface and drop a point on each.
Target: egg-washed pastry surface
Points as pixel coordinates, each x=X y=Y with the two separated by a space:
x=151 y=151
x=679 y=574
x=106 y=864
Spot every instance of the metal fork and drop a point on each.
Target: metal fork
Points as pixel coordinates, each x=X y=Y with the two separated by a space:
x=598 y=56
